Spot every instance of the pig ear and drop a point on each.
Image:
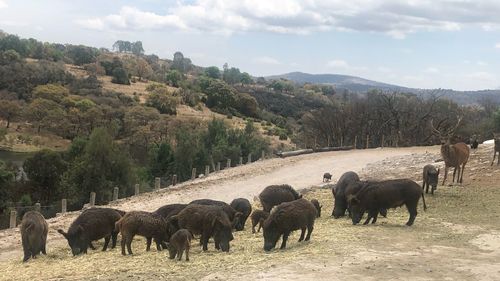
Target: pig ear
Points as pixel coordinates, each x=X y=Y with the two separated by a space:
x=63 y=233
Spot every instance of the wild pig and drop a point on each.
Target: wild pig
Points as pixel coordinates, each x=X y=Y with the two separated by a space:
x=317 y=206
x=180 y=242
x=149 y=225
x=327 y=177
x=384 y=195
x=430 y=178
x=34 y=231
x=276 y=194
x=207 y=221
x=234 y=216
x=92 y=224
x=339 y=197
x=258 y=217
x=170 y=210
x=243 y=206
x=287 y=217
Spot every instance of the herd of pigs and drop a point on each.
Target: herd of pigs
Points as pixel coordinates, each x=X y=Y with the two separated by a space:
x=284 y=210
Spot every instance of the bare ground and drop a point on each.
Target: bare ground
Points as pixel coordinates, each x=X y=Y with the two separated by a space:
x=458 y=238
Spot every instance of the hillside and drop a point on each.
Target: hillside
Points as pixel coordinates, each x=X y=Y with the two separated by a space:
x=361 y=85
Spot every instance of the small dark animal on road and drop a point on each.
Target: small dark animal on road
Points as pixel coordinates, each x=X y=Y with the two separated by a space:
x=180 y=242
x=287 y=217
x=430 y=178
x=327 y=177
x=317 y=206
x=258 y=217
x=384 y=195
x=92 y=224
x=34 y=231
x=276 y=194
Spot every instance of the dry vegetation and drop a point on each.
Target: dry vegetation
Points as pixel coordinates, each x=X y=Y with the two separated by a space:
x=458 y=238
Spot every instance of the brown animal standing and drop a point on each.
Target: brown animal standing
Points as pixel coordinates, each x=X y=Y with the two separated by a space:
x=454 y=155
x=170 y=210
x=243 y=206
x=317 y=206
x=149 y=225
x=234 y=216
x=92 y=224
x=34 y=231
x=287 y=217
x=180 y=242
x=430 y=178
x=276 y=194
x=207 y=221
x=339 y=193
x=496 y=149
x=258 y=217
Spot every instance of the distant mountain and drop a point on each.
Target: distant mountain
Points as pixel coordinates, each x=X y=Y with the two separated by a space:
x=361 y=85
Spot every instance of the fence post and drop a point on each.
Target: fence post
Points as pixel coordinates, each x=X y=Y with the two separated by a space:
x=263 y=155
x=218 y=167
x=38 y=207
x=13 y=219
x=367 y=141
x=228 y=164
x=241 y=161
x=174 y=180
x=115 y=193
x=193 y=174
x=92 y=199
x=207 y=170
x=64 y=206
x=249 y=160
x=136 y=189
x=355 y=142
x=382 y=144
x=157 y=183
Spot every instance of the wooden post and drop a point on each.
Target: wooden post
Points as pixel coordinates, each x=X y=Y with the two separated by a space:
x=263 y=155
x=218 y=167
x=367 y=141
x=342 y=141
x=241 y=161
x=157 y=183
x=355 y=142
x=207 y=170
x=64 y=206
x=13 y=219
x=38 y=207
x=174 y=180
x=137 y=190
x=193 y=174
x=92 y=199
x=228 y=164
x=249 y=160
x=382 y=144
x=115 y=193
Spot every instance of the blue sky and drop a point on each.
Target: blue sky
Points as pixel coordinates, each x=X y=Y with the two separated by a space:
x=416 y=43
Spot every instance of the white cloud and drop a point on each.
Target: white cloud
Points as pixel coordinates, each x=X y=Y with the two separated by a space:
x=338 y=64
x=384 y=69
x=481 y=63
x=267 y=60
x=482 y=76
x=392 y=17
x=3 y=4
x=497 y=45
x=431 y=70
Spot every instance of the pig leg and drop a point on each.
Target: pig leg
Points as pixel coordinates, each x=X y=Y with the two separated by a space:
x=375 y=217
x=129 y=244
x=44 y=251
x=122 y=244
x=187 y=252
x=106 y=242
x=253 y=227
x=204 y=238
x=158 y=244
x=91 y=246
x=302 y=233
x=368 y=218
x=179 y=254
x=285 y=237
x=309 y=231
x=114 y=237
x=462 y=174
x=426 y=185
x=412 y=209
x=148 y=243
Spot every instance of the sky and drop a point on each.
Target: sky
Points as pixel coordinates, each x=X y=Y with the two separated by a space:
x=451 y=44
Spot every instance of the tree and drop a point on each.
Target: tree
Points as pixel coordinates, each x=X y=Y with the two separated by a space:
x=212 y=72
x=232 y=75
x=6 y=179
x=220 y=95
x=120 y=76
x=39 y=110
x=181 y=63
x=9 y=110
x=44 y=170
x=136 y=48
x=162 y=162
x=81 y=55
x=247 y=105
x=173 y=77
x=163 y=100
x=143 y=69
x=51 y=92
x=245 y=78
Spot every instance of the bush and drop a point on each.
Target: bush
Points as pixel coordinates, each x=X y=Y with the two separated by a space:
x=120 y=76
